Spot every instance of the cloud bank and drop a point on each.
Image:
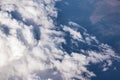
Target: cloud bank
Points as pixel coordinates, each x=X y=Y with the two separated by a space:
x=31 y=48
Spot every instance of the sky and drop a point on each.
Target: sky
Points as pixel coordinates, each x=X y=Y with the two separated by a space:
x=31 y=47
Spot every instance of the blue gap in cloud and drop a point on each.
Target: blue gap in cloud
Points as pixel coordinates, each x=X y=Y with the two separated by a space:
x=5 y=29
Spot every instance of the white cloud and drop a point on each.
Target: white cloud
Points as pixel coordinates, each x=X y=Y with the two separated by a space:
x=75 y=35
x=22 y=57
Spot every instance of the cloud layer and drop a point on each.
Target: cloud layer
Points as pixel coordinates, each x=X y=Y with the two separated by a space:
x=31 y=48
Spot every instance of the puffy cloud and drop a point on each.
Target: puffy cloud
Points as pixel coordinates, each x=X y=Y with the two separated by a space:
x=32 y=49
x=73 y=33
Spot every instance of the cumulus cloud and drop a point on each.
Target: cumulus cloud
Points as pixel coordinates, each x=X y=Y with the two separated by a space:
x=73 y=33
x=31 y=50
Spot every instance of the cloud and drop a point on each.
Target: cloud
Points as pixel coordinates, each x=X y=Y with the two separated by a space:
x=25 y=57
x=73 y=33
